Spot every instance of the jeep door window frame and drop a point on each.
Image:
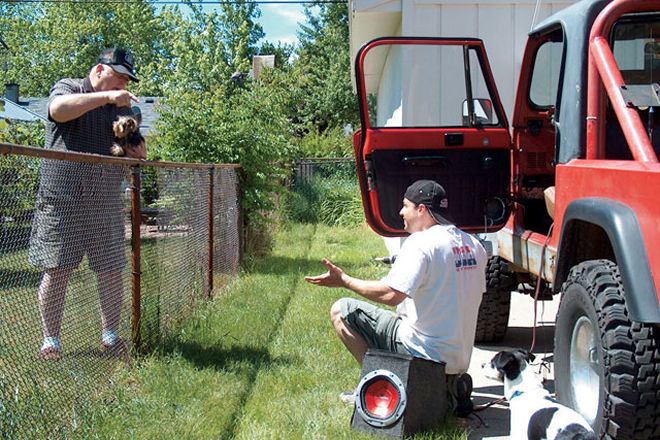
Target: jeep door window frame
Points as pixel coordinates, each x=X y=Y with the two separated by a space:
x=470 y=158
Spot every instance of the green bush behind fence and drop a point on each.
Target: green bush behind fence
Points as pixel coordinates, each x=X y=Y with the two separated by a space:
x=324 y=191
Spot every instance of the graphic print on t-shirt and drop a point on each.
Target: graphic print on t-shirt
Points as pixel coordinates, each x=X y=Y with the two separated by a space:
x=464 y=258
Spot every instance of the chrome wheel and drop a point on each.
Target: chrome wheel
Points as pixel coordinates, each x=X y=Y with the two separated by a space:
x=585 y=382
x=606 y=366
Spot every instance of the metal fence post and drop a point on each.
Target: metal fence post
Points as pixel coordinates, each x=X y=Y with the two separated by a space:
x=209 y=285
x=135 y=254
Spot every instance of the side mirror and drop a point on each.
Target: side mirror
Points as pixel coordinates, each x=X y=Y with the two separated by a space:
x=482 y=112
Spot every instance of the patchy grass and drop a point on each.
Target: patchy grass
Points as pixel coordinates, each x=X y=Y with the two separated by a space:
x=260 y=361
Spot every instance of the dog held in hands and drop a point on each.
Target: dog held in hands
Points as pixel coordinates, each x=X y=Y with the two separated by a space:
x=126 y=130
x=534 y=414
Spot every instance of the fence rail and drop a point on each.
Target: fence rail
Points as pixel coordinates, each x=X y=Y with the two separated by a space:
x=147 y=241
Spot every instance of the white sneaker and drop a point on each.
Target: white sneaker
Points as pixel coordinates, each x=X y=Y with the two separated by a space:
x=347 y=397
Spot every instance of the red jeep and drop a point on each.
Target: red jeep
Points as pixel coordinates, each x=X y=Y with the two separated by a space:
x=565 y=199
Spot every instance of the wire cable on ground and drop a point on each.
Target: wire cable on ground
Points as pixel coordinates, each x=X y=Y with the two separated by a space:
x=539 y=281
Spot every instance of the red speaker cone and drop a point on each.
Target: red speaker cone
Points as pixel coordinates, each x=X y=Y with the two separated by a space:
x=381 y=398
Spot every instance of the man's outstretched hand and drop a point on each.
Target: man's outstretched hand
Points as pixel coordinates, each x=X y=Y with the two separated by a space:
x=376 y=291
x=334 y=277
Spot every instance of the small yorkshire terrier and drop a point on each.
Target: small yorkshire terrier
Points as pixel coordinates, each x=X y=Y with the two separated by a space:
x=126 y=130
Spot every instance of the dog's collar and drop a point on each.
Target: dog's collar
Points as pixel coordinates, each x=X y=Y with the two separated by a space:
x=515 y=394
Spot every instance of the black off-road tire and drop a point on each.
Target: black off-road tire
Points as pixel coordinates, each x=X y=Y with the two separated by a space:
x=493 y=318
x=626 y=357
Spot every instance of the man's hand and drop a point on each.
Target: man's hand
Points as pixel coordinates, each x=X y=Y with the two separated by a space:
x=373 y=290
x=334 y=277
x=66 y=108
x=121 y=98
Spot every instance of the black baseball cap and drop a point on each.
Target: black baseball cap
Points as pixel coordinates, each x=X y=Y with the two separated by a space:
x=120 y=60
x=432 y=195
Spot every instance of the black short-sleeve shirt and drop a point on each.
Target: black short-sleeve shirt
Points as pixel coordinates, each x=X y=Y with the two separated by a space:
x=89 y=133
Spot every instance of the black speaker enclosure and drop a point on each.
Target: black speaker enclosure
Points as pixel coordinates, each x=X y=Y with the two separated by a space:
x=422 y=399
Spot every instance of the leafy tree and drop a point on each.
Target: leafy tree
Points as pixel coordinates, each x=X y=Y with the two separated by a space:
x=282 y=52
x=194 y=51
x=18 y=179
x=322 y=96
x=52 y=40
x=241 y=32
x=207 y=117
x=333 y=142
x=204 y=49
x=18 y=174
x=22 y=133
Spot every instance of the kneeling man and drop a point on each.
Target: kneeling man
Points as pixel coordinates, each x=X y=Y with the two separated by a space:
x=436 y=283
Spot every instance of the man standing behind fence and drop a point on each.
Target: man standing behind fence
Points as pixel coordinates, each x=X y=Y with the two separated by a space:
x=79 y=208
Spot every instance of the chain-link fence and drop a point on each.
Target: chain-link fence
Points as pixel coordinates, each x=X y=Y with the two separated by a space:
x=309 y=168
x=91 y=248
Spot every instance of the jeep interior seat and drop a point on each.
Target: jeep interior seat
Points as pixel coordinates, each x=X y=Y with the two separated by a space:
x=549 y=196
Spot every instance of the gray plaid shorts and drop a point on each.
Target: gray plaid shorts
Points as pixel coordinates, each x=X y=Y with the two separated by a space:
x=77 y=218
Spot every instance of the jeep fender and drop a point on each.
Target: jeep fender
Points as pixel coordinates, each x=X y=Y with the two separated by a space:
x=619 y=223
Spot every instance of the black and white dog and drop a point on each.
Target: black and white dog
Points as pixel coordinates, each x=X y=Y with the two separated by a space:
x=534 y=414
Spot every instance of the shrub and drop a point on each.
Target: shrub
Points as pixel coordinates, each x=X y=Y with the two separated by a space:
x=334 y=142
x=245 y=127
x=18 y=186
x=297 y=207
x=31 y=134
x=332 y=201
x=341 y=204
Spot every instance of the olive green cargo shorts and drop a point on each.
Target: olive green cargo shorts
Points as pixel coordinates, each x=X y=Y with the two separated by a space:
x=377 y=326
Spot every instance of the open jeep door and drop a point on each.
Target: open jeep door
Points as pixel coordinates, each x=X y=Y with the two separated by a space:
x=430 y=110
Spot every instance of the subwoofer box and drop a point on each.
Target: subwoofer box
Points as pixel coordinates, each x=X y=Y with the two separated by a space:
x=425 y=388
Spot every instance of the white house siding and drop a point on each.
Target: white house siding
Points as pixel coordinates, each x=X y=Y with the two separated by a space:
x=503 y=25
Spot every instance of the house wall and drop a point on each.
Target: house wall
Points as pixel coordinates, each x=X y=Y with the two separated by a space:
x=503 y=25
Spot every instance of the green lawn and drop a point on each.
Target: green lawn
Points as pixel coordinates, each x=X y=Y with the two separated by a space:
x=261 y=361
x=48 y=399
x=39 y=398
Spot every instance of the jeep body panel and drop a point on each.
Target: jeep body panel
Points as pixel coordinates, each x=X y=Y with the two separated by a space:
x=575 y=23
x=525 y=250
x=624 y=239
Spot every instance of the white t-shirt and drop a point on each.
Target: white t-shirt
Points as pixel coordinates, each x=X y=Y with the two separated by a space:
x=442 y=272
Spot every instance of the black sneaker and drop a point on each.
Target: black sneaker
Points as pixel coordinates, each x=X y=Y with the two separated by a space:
x=462 y=392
